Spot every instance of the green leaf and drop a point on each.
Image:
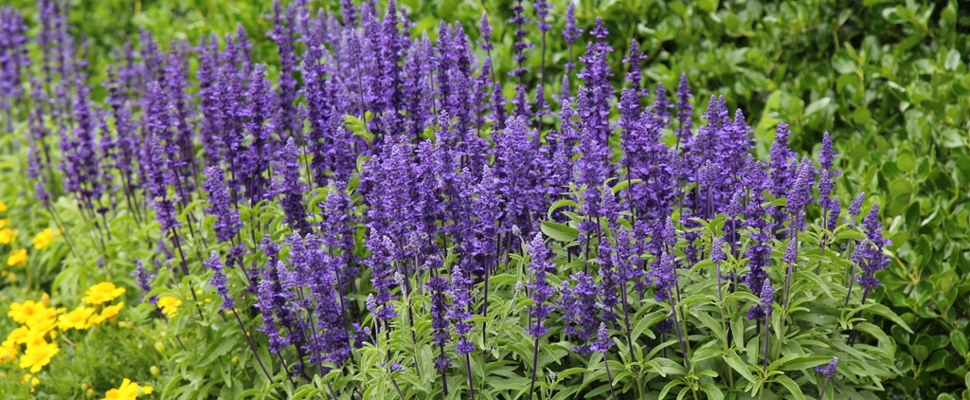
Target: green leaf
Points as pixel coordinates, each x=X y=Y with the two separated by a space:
x=843 y=63
x=861 y=115
x=952 y=60
x=560 y=232
x=959 y=341
x=358 y=128
x=735 y=362
x=953 y=138
x=707 y=6
x=712 y=391
x=885 y=312
x=792 y=387
x=670 y=385
x=624 y=184
x=708 y=350
x=906 y=160
x=560 y=204
x=646 y=322
x=794 y=362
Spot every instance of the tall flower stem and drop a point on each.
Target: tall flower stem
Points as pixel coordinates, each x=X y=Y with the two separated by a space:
x=609 y=377
x=626 y=322
x=825 y=385
x=791 y=266
x=468 y=368
x=252 y=347
x=185 y=271
x=680 y=335
x=767 y=337
x=444 y=377
x=535 y=367
x=854 y=334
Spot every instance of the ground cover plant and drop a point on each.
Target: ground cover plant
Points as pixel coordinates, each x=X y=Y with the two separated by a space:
x=388 y=219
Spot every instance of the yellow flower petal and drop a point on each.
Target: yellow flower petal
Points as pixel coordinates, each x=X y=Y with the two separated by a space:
x=43 y=238
x=7 y=235
x=169 y=305
x=77 y=319
x=37 y=357
x=17 y=258
x=102 y=293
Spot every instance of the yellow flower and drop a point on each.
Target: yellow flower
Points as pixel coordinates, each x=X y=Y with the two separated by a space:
x=17 y=258
x=3 y=206
x=127 y=391
x=37 y=357
x=3 y=222
x=107 y=313
x=15 y=336
x=102 y=293
x=7 y=353
x=33 y=314
x=170 y=305
x=21 y=312
x=44 y=238
x=6 y=235
x=34 y=338
x=77 y=319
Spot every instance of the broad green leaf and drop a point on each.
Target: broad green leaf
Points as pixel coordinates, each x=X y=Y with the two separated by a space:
x=792 y=387
x=959 y=341
x=560 y=232
x=735 y=362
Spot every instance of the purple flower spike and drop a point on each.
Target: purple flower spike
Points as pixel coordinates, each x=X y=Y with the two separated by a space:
x=571 y=32
x=541 y=290
x=220 y=205
x=542 y=11
x=219 y=280
x=855 y=208
x=603 y=341
x=486 y=30
x=767 y=296
x=828 y=370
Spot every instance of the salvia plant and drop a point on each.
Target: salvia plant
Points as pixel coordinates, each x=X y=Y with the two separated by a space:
x=384 y=216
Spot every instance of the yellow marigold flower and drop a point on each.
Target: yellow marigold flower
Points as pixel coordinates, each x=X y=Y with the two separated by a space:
x=43 y=317
x=147 y=389
x=77 y=319
x=15 y=336
x=37 y=357
x=127 y=391
x=34 y=339
x=21 y=312
x=107 y=313
x=44 y=238
x=7 y=353
x=6 y=235
x=102 y=293
x=169 y=305
x=3 y=206
x=17 y=258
